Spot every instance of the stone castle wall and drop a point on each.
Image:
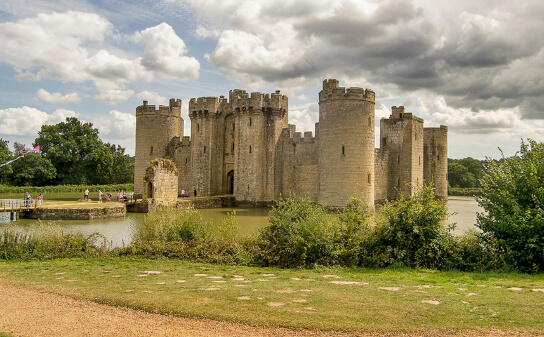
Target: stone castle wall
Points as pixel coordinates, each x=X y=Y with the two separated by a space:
x=435 y=159
x=242 y=145
x=155 y=128
x=346 y=145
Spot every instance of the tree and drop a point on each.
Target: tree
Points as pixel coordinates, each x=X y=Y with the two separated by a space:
x=5 y=156
x=80 y=157
x=513 y=199
x=32 y=170
x=459 y=176
x=123 y=165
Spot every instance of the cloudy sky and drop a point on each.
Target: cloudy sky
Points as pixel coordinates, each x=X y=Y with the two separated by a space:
x=476 y=66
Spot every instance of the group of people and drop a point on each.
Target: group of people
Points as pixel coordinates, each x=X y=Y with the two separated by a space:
x=29 y=201
x=185 y=194
x=120 y=196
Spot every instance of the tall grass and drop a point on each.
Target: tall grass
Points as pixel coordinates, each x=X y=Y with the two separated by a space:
x=48 y=241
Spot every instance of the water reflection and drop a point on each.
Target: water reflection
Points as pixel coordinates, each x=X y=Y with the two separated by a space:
x=120 y=232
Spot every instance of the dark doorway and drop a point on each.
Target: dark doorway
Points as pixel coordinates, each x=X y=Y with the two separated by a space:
x=150 y=190
x=230 y=182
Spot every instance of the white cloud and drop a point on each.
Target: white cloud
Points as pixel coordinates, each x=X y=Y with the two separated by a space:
x=57 y=97
x=27 y=121
x=205 y=33
x=152 y=97
x=114 y=96
x=164 y=53
x=304 y=116
x=69 y=46
x=117 y=125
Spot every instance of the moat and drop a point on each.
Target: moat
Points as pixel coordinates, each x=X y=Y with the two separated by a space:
x=119 y=232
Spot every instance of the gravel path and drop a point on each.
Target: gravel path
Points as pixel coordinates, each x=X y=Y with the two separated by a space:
x=25 y=312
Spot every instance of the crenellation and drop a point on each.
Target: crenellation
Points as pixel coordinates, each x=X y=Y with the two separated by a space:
x=244 y=146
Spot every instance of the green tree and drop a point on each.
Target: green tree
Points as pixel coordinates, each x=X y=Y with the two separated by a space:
x=32 y=170
x=513 y=199
x=5 y=156
x=123 y=165
x=459 y=176
x=80 y=157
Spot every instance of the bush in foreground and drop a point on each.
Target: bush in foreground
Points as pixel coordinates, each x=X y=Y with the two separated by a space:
x=513 y=199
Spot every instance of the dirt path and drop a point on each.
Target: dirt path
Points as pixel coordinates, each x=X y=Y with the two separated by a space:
x=25 y=312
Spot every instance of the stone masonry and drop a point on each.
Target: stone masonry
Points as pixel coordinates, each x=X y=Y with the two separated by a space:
x=244 y=146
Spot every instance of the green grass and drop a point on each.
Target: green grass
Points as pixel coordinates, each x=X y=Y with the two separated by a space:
x=309 y=300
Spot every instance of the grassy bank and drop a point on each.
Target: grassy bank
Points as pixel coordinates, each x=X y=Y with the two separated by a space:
x=65 y=188
x=351 y=299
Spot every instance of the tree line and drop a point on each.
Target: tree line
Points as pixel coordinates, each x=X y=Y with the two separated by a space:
x=71 y=153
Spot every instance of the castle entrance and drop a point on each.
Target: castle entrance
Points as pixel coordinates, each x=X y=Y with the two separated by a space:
x=230 y=182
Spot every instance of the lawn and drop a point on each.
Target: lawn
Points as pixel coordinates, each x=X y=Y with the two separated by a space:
x=392 y=300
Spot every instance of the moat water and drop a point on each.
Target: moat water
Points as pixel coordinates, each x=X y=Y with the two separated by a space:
x=119 y=232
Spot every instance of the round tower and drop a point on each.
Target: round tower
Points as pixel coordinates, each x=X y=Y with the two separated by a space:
x=346 y=145
x=155 y=128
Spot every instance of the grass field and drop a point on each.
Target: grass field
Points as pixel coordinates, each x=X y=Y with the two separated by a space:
x=323 y=298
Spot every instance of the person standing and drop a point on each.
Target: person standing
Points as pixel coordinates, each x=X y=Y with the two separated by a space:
x=100 y=196
x=86 y=194
x=40 y=199
x=27 y=198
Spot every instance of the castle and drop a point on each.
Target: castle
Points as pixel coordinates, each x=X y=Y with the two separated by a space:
x=244 y=146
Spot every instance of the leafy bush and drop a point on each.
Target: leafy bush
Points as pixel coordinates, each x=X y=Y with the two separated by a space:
x=354 y=238
x=301 y=233
x=513 y=199
x=411 y=230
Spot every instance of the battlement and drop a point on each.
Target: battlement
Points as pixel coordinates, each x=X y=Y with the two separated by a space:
x=240 y=100
x=174 y=108
x=295 y=137
x=332 y=91
x=205 y=105
x=398 y=113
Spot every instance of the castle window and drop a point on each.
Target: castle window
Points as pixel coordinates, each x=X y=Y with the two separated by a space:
x=232 y=126
x=185 y=161
x=419 y=160
x=398 y=159
x=438 y=157
x=400 y=115
x=151 y=151
x=369 y=178
x=232 y=148
x=250 y=149
x=197 y=127
x=398 y=182
x=250 y=122
x=384 y=142
x=343 y=150
x=204 y=148
x=369 y=122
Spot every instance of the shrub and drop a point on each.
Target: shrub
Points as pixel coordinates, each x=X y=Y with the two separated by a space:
x=354 y=237
x=300 y=233
x=411 y=230
x=513 y=198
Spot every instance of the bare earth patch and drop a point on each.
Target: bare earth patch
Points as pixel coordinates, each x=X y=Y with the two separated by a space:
x=390 y=288
x=430 y=302
x=349 y=283
x=275 y=304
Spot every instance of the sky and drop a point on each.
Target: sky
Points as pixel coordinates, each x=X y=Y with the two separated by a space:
x=475 y=66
